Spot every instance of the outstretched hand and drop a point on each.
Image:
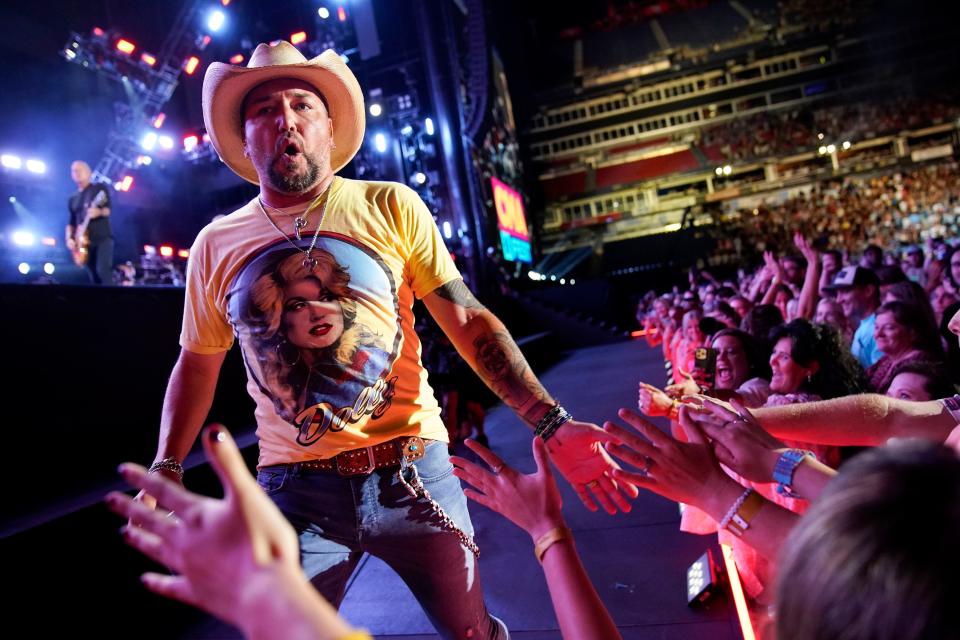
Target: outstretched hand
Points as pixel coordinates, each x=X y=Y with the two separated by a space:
x=227 y=553
x=743 y=445
x=681 y=471
x=532 y=502
x=576 y=448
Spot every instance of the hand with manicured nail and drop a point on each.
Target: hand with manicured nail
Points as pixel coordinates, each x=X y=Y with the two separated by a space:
x=237 y=558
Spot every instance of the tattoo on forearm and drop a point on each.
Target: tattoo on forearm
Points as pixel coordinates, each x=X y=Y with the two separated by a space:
x=505 y=370
x=458 y=293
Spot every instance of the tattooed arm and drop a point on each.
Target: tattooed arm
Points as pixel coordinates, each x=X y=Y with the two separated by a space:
x=484 y=342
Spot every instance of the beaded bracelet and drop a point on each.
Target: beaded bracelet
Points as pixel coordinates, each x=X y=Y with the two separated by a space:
x=553 y=420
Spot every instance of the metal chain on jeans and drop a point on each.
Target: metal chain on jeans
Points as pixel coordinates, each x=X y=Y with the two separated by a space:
x=416 y=489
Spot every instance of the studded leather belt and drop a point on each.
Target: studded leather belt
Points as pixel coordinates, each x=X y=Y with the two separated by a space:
x=357 y=462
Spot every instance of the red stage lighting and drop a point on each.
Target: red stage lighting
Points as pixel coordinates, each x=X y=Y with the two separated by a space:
x=342 y=14
x=183 y=253
x=125 y=184
x=149 y=249
x=166 y=250
x=298 y=37
x=97 y=31
x=191 y=65
x=237 y=59
x=148 y=59
x=225 y=2
x=190 y=142
x=203 y=43
x=158 y=121
x=125 y=46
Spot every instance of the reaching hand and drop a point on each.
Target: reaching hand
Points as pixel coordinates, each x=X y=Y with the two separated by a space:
x=773 y=265
x=226 y=552
x=532 y=502
x=743 y=446
x=576 y=450
x=653 y=401
x=805 y=249
x=681 y=471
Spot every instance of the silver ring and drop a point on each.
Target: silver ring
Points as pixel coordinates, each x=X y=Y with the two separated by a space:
x=498 y=468
x=592 y=484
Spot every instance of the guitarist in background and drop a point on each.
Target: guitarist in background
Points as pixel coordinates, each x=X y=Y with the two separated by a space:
x=89 y=236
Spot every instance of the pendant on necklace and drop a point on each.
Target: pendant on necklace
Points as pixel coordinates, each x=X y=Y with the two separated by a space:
x=309 y=263
x=298 y=225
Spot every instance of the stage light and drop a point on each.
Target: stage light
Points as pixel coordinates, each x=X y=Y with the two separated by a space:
x=533 y=275
x=13 y=199
x=48 y=241
x=553 y=278
x=36 y=166
x=846 y=145
x=70 y=53
x=191 y=65
x=819 y=136
x=148 y=59
x=739 y=597
x=341 y=14
x=447 y=229
x=420 y=177
x=24 y=238
x=158 y=121
x=563 y=281
x=323 y=12
x=727 y=170
x=702 y=579
x=428 y=126
x=149 y=141
x=149 y=249
x=190 y=143
x=48 y=268
x=407 y=130
x=215 y=20
x=24 y=268
x=375 y=109
x=97 y=31
x=183 y=253
x=125 y=46
x=11 y=161
x=237 y=59
x=225 y=3
x=144 y=160
x=572 y=281
x=166 y=142
x=126 y=183
x=166 y=250
x=298 y=37
x=822 y=150
x=718 y=171
x=831 y=148
x=380 y=142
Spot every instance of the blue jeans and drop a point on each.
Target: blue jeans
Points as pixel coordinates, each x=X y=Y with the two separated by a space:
x=338 y=519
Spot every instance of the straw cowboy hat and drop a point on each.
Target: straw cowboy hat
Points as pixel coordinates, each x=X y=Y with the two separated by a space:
x=225 y=86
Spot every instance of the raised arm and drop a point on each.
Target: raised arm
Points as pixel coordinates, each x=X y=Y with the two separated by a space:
x=533 y=503
x=484 y=342
x=807 y=306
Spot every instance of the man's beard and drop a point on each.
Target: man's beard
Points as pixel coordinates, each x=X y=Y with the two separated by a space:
x=295 y=183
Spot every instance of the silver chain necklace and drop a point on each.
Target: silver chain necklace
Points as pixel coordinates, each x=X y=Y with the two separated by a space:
x=309 y=262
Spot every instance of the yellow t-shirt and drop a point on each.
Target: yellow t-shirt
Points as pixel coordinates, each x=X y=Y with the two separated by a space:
x=332 y=359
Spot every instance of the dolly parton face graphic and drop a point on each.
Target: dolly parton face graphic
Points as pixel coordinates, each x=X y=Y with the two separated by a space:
x=319 y=336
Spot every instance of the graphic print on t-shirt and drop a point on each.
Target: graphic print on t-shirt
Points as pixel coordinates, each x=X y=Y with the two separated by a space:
x=319 y=340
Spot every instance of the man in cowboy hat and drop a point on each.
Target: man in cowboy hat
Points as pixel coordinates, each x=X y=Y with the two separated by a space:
x=316 y=278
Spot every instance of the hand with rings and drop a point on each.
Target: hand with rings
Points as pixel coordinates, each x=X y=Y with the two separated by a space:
x=681 y=471
x=742 y=444
x=532 y=502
